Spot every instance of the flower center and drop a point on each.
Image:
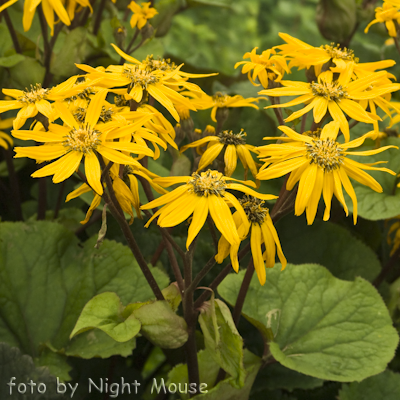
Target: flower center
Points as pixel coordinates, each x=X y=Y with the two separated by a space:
x=325 y=153
x=228 y=137
x=139 y=76
x=120 y=101
x=254 y=209
x=83 y=139
x=330 y=91
x=314 y=134
x=337 y=52
x=160 y=64
x=35 y=94
x=85 y=94
x=207 y=183
x=220 y=99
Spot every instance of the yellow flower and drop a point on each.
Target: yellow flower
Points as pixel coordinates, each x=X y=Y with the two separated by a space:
x=220 y=100
x=265 y=67
x=199 y=195
x=321 y=166
x=235 y=146
x=34 y=100
x=74 y=141
x=303 y=55
x=73 y=4
x=49 y=8
x=334 y=96
x=141 y=14
x=5 y=139
x=262 y=231
x=387 y=14
x=141 y=81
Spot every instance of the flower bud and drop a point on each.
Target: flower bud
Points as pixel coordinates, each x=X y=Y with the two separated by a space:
x=336 y=19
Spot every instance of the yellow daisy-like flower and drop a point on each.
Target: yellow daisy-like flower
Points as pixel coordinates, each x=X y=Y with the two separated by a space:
x=235 y=146
x=49 y=8
x=321 y=166
x=141 y=81
x=34 y=100
x=221 y=100
x=5 y=139
x=303 y=55
x=265 y=67
x=199 y=195
x=338 y=97
x=74 y=141
x=386 y=14
x=141 y=14
x=262 y=231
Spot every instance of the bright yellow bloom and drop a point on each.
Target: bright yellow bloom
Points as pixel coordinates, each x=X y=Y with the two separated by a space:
x=74 y=141
x=5 y=139
x=199 y=195
x=220 y=100
x=321 y=166
x=265 y=67
x=49 y=8
x=338 y=97
x=235 y=146
x=262 y=231
x=141 y=81
x=141 y=14
x=303 y=55
x=34 y=100
x=387 y=14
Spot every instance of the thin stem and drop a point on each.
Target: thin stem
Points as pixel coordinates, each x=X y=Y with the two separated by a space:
x=393 y=260
x=95 y=217
x=13 y=184
x=136 y=47
x=12 y=31
x=157 y=254
x=205 y=270
x=97 y=21
x=128 y=49
x=277 y=111
x=190 y=318
x=303 y=122
x=237 y=312
x=213 y=233
x=219 y=278
x=353 y=124
x=116 y=210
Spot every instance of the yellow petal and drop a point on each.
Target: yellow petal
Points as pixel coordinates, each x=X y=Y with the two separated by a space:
x=93 y=172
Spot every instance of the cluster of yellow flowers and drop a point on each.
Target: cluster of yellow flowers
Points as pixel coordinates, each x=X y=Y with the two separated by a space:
x=141 y=13
x=389 y=14
x=82 y=127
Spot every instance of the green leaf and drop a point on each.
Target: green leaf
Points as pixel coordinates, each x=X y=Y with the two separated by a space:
x=27 y=72
x=56 y=363
x=12 y=60
x=14 y=364
x=208 y=371
x=222 y=339
x=327 y=244
x=96 y=343
x=104 y=312
x=383 y=386
x=372 y=205
x=323 y=327
x=181 y=166
x=276 y=376
x=73 y=51
x=161 y=325
x=226 y=390
x=47 y=277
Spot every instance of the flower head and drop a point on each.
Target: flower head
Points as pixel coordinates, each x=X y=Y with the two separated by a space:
x=235 y=146
x=200 y=194
x=262 y=232
x=141 y=13
x=321 y=166
x=387 y=14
